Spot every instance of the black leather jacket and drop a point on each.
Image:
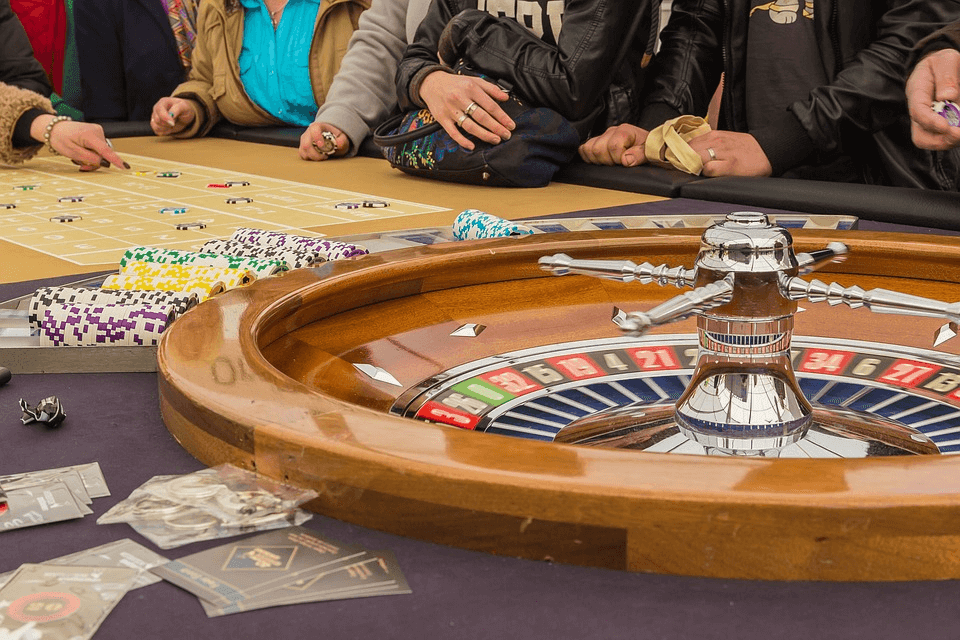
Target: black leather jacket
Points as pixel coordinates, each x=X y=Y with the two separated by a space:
x=592 y=76
x=861 y=113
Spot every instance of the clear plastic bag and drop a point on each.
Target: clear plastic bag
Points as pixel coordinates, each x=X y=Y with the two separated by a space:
x=218 y=502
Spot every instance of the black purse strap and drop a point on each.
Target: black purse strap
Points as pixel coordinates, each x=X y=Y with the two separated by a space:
x=383 y=137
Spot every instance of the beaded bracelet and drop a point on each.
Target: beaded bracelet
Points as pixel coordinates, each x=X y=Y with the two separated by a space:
x=49 y=130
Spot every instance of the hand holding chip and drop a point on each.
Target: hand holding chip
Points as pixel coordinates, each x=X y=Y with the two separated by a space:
x=935 y=78
x=171 y=115
x=322 y=141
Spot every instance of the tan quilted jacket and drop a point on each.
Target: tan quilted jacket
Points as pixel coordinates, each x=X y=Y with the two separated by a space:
x=214 y=81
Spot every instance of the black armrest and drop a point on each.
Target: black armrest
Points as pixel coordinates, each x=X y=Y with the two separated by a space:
x=647 y=179
x=224 y=129
x=130 y=129
x=901 y=205
x=279 y=136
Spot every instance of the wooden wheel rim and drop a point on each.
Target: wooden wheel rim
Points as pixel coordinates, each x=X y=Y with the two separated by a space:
x=869 y=519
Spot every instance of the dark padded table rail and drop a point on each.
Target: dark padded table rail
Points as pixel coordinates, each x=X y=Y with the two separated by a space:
x=647 y=179
x=131 y=129
x=937 y=209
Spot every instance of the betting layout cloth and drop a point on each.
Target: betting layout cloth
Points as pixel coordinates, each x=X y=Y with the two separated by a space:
x=286 y=566
x=121 y=209
x=327 y=249
x=260 y=266
x=293 y=258
x=83 y=325
x=46 y=297
x=124 y=553
x=60 y=602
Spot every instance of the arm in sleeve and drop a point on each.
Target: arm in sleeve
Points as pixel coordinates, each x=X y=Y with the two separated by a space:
x=420 y=57
x=363 y=92
x=868 y=94
x=686 y=71
x=199 y=86
x=14 y=104
x=570 y=77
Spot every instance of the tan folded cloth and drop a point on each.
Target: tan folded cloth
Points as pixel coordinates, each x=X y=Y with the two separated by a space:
x=667 y=145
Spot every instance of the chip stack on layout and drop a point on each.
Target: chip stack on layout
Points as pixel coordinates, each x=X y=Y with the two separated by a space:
x=474 y=224
x=261 y=267
x=327 y=249
x=202 y=288
x=49 y=296
x=85 y=325
x=230 y=278
x=293 y=258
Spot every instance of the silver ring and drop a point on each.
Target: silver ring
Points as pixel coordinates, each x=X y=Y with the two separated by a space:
x=460 y=120
x=329 y=143
x=471 y=108
x=711 y=153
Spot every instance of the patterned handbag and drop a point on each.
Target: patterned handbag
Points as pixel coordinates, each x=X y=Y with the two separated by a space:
x=542 y=142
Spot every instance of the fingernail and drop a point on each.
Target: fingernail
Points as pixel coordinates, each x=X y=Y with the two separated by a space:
x=513 y=125
x=104 y=163
x=629 y=159
x=507 y=137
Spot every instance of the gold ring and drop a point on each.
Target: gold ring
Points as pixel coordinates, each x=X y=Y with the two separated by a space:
x=470 y=109
x=462 y=119
x=711 y=153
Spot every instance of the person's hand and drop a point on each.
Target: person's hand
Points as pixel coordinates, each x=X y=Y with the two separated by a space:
x=936 y=77
x=728 y=153
x=468 y=103
x=313 y=144
x=622 y=144
x=82 y=142
x=171 y=115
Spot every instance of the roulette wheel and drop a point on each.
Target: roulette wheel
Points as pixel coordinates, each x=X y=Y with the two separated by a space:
x=460 y=393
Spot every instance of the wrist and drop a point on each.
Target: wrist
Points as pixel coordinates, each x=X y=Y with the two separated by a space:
x=48 y=131
x=39 y=125
x=416 y=85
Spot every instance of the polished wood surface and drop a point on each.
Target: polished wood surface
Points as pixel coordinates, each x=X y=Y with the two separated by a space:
x=263 y=377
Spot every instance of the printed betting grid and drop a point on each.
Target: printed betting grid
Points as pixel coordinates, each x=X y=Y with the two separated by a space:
x=111 y=211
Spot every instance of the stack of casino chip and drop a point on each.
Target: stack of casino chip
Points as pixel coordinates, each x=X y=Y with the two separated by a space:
x=474 y=224
x=261 y=266
x=84 y=325
x=47 y=297
x=326 y=249
x=202 y=288
x=230 y=278
x=293 y=258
